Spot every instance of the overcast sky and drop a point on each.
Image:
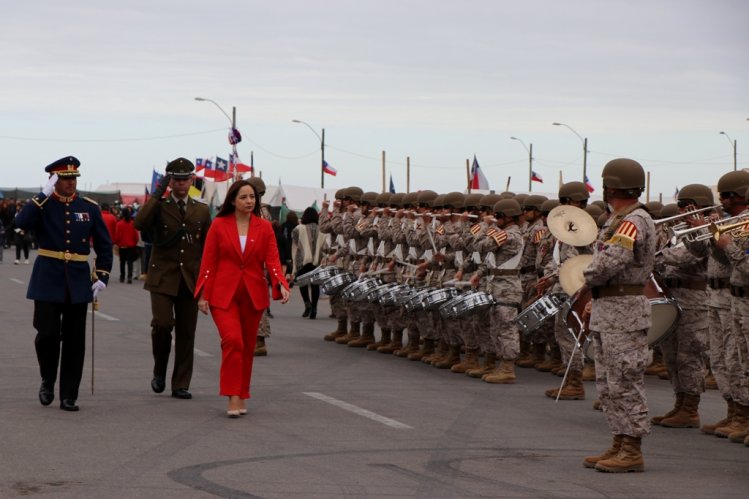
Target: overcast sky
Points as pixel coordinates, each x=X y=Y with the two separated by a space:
x=437 y=81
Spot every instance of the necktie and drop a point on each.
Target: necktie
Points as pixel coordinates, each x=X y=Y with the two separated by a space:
x=181 y=205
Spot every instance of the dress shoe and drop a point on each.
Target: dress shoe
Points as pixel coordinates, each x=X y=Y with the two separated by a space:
x=307 y=308
x=68 y=405
x=181 y=393
x=313 y=313
x=158 y=384
x=46 y=393
x=233 y=413
x=242 y=412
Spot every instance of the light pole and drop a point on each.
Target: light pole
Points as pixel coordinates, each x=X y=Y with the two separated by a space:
x=530 y=161
x=322 y=150
x=232 y=119
x=733 y=145
x=585 y=149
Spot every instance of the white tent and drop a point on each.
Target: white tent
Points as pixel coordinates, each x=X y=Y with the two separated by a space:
x=297 y=198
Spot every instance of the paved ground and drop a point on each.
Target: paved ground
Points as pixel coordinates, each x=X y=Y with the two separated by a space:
x=324 y=421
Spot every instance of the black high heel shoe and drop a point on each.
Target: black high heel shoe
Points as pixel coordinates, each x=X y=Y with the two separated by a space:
x=313 y=312
x=307 y=310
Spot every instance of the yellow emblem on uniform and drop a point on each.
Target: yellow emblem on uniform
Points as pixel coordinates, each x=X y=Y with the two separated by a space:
x=540 y=233
x=441 y=230
x=475 y=229
x=499 y=237
x=625 y=235
x=362 y=225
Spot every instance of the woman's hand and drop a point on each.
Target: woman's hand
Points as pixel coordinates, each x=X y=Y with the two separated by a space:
x=285 y=295
x=203 y=305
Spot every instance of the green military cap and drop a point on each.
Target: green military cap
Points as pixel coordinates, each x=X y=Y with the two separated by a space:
x=180 y=168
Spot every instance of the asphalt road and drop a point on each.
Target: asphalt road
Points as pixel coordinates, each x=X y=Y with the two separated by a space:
x=324 y=421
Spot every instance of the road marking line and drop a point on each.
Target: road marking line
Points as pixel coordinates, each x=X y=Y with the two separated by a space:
x=106 y=317
x=201 y=353
x=18 y=281
x=358 y=410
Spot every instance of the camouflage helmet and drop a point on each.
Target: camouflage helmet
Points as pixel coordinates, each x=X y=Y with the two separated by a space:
x=670 y=210
x=534 y=201
x=737 y=182
x=410 y=199
x=369 y=198
x=601 y=220
x=454 y=200
x=623 y=173
x=702 y=195
x=488 y=201
x=438 y=202
x=520 y=198
x=600 y=204
x=397 y=199
x=507 y=195
x=258 y=184
x=549 y=205
x=354 y=193
x=594 y=211
x=340 y=193
x=508 y=207
x=473 y=200
x=654 y=208
x=425 y=197
x=576 y=191
x=383 y=198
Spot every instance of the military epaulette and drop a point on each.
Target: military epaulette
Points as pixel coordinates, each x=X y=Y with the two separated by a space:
x=200 y=200
x=625 y=235
x=538 y=236
x=491 y=231
x=36 y=201
x=90 y=200
x=499 y=237
x=475 y=229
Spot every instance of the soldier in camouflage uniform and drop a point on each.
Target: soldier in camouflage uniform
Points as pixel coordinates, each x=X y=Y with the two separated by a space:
x=735 y=245
x=327 y=223
x=504 y=249
x=620 y=315
x=263 y=330
x=685 y=275
x=544 y=335
x=574 y=194
x=402 y=226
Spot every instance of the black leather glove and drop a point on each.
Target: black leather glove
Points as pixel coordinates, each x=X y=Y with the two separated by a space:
x=163 y=184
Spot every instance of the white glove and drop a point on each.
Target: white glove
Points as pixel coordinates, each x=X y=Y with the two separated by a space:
x=47 y=189
x=97 y=286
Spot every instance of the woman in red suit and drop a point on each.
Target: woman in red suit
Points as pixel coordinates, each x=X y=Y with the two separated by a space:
x=239 y=247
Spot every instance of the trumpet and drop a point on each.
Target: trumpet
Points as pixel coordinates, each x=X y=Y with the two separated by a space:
x=712 y=230
x=666 y=220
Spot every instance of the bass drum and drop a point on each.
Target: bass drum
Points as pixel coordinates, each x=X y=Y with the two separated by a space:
x=665 y=313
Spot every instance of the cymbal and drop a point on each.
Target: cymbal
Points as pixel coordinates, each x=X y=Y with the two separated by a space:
x=571 y=273
x=572 y=225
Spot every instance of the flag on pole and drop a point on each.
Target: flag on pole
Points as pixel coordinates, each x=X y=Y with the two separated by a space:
x=199 y=167
x=208 y=172
x=588 y=185
x=478 y=180
x=155 y=180
x=237 y=165
x=392 y=185
x=328 y=169
x=535 y=177
x=676 y=192
x=222 y=173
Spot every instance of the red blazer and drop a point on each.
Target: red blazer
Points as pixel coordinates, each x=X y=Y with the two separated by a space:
x=125 y=234
x=224 y=265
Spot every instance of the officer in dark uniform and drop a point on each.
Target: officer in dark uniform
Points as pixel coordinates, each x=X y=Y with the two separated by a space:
x=62 y=283
x=177 y=225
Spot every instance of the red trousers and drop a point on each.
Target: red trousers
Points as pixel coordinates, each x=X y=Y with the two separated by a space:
x=237 y=326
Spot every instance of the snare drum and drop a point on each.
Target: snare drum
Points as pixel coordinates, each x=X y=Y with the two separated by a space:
x=333 y=285
x=305 y=279
x=472 y=303
x=391 y=294
x=376 y=294
x=446 y=309
x=402 y=295
x=415 y=301
x=547 y=306
x=665 y=312
x=437 y=297
x=324 y=274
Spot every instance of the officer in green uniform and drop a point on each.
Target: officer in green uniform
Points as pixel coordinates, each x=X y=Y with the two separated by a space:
x=178 y=225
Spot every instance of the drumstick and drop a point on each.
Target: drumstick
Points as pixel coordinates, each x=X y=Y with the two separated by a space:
x=411 y=265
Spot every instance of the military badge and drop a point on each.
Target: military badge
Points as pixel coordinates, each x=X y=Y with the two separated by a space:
x=625 y=235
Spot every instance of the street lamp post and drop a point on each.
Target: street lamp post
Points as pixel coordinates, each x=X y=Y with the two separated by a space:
x=322 y=150
x=585 y=148
x=733 y=145
x=530 y=161
x=232 y=119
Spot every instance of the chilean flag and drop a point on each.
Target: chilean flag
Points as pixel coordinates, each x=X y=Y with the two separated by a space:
x=222 y=173
x=535 y=177
x=588 y=185
x=199 y=166
x=208 y=171
x=238 y=166
x=329 y=169
x=478 y=180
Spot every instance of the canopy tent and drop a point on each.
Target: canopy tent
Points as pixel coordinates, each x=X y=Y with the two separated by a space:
x=25 y=193
x=298 y=198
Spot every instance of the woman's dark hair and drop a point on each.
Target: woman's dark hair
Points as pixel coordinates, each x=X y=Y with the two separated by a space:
x=292 y=218
x=309 y=216
x=228 y=208
x=126 y=214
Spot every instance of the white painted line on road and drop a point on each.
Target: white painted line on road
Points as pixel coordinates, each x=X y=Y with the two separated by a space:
x=17 y=281
x=358 y=410
x=106 y=317
x=198 y=352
